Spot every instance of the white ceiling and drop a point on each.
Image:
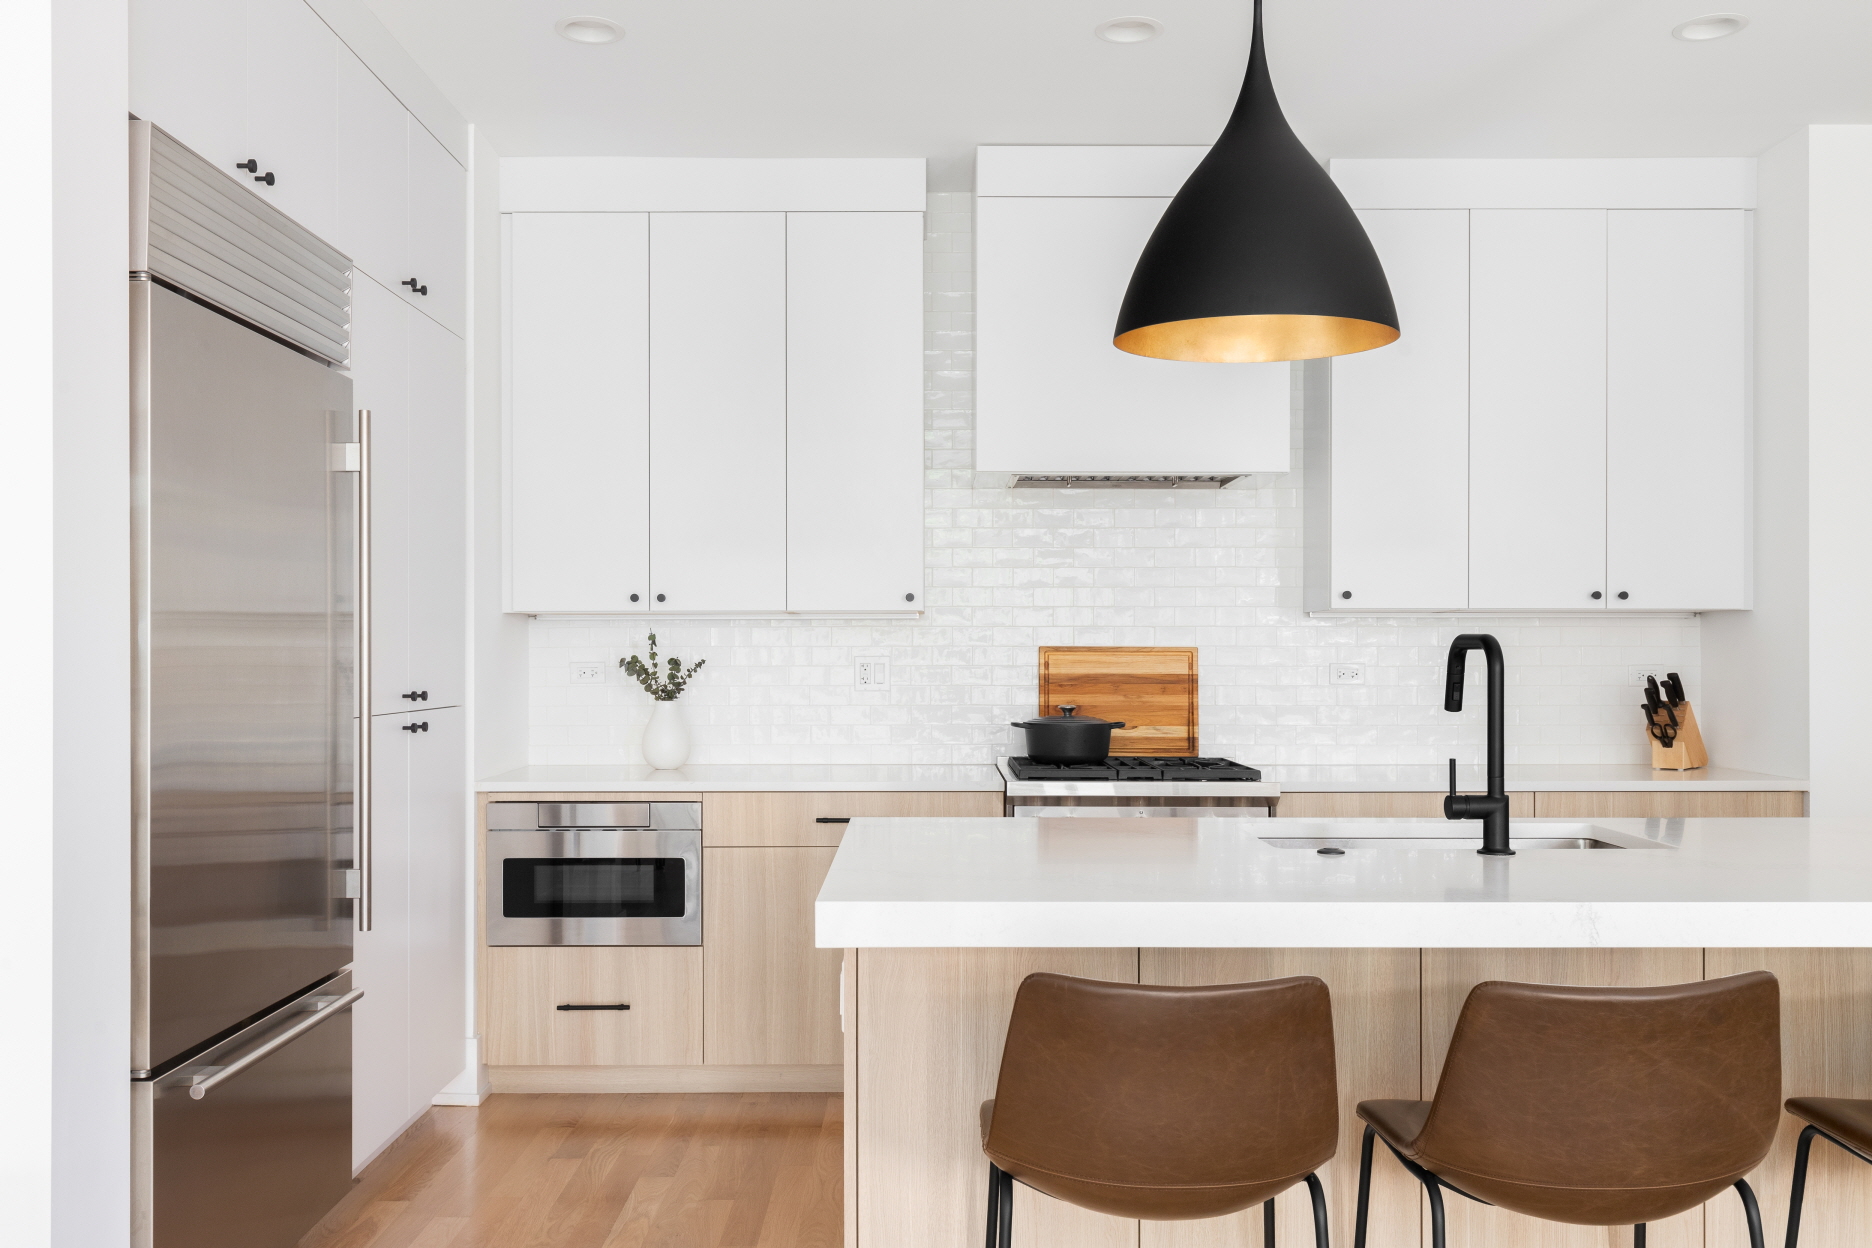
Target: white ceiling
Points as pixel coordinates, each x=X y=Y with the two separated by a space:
x=1357 y=77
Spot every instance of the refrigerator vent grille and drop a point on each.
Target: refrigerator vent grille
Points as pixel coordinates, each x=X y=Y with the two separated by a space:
x=197 y=228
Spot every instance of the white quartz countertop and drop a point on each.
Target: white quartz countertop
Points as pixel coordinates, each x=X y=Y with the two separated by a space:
x=757 y=778
x=1215 y=883
x=1548 y=778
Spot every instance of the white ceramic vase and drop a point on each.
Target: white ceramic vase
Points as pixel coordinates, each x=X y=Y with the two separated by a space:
x=666 y=738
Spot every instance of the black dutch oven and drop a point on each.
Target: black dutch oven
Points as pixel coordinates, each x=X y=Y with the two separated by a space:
x=1068 y=737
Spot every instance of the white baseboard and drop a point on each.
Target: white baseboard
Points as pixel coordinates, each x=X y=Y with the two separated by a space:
x=471 y=1086
x=666 y=1078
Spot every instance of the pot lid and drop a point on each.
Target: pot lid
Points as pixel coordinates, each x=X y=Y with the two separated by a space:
x=1068 y=715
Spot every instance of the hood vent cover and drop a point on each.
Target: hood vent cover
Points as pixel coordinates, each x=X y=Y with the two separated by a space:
x=1160 y=481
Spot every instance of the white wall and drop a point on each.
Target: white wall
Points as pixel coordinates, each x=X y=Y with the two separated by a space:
x=64 y=749
x=1009 y=571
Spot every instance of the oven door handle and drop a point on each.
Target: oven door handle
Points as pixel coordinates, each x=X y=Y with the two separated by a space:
x=199 y=1085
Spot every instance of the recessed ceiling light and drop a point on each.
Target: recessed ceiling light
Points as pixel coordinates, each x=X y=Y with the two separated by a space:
x=589 y=29
x=1710 y=26
x=1128 y=29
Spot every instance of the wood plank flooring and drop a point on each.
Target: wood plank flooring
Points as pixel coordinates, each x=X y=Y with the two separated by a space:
x=747 y=1170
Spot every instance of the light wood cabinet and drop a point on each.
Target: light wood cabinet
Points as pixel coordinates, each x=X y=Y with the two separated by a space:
x=819 y=818
x=526 y=986
x=768 y=996
x=1669 y=805
x=1381 y=806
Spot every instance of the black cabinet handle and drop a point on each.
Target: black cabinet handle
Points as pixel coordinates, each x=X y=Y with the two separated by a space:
x=411 y=283
x=621 y=1006
x=1345 y=593
x=250 y=165
x=1597 y=595
x=633 y=597
x=415 y=695
x=1623 y=595
x=660 y=598
x=909 y=597
x=832 y=819
x=422 y=727
x=266 y=177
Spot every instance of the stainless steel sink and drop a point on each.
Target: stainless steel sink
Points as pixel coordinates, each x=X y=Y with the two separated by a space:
x=1381 y=835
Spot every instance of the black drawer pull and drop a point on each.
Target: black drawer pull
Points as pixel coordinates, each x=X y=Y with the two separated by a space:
x=422 y=727
x=625 y=1006
x=829 y=819
x=411 y=283
x=416 y=695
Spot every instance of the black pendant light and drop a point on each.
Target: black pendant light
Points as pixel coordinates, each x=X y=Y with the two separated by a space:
x=1259 y=257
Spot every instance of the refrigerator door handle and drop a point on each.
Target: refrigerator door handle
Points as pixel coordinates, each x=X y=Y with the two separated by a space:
x=206 y=1078
x=361 y=799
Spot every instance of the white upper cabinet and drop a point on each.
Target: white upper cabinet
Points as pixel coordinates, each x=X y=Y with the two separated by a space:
x=578 y=417
x=292 y=65
x=1057 y=233
x=854 y=496
x=380 y=384
x=1537 y=408
x=718 y=385
x=1677 y=423
x=373 y=173
x=438 y=519
x=188 y=74
x=438 y=238
x=1398 y=441
x=1601 y=460
x=714 y=411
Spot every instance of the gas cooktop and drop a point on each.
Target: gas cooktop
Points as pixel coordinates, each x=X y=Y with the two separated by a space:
x=1135 y=767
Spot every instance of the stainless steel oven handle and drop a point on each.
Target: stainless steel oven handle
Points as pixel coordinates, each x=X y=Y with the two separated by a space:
x=204 y=1083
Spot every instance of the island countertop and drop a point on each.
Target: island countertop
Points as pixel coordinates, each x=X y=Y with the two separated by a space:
x=1218 y=883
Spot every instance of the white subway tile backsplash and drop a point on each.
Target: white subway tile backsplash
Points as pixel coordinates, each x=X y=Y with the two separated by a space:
x=1011 y=570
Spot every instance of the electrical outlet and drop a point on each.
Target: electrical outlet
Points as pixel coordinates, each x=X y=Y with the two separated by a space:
x=873 y=674
x=1348 y=673
x=1637 y=675
x=589 y=672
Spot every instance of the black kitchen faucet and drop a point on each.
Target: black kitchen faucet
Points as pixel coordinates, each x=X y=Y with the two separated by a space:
x=1491 y=807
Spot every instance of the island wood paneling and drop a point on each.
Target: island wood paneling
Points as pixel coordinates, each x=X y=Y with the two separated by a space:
x=848 y=1021
x=1375 y=996
x=792 y=818
x=1151 y=690
x=767 y=994
x=1826 y=1050
x=931 y=1026
x=1448 y=975
x=1656 y=805
x=1382 y=806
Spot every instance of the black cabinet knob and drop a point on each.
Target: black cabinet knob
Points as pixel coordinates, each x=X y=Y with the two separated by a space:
x=266 y=177
x=415 y=695
x=422 y=727
x=1597 y=595
x=633 y=597
x=411 y=283
x=1345 y=593
x=909 y=597
x=1623 y=595
x=660 y=598
x=250 y=165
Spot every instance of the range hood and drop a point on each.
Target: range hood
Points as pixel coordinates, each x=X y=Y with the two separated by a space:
x=1141 y=481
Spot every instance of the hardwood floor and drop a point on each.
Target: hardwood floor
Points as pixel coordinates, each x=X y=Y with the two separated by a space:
x=745 y=1170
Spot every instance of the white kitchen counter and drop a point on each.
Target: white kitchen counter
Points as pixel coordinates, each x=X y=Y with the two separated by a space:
x=1213 y=883
x=1552 y=778
x=770 y=778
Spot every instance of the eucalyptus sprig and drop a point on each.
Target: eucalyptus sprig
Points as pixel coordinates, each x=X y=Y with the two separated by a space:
x=665 y=685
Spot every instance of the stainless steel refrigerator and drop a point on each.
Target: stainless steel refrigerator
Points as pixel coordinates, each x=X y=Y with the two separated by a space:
x=245 y=497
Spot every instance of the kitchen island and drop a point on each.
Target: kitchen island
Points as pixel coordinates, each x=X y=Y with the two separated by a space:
x=942 y=918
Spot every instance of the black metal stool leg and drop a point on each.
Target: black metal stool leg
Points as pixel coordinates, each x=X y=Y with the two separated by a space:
x=1364 y=1189
x=1799 y=1191
x=1267 y=1223
x=1007 y=1210
x=1637 y=1236
x=994 y=1206
x=1436 y=1215
x=1753 y=1211
x=1318 y=1192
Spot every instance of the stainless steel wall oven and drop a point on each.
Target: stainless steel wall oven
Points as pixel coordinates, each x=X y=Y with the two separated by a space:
x=594 y=873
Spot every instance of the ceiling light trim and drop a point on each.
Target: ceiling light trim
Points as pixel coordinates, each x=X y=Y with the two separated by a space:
x=1710 y=26
x=1129 y=29
x=588 y=30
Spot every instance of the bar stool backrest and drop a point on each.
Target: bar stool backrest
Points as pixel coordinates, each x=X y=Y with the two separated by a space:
x=1154 y=1086
x=1603 y=1089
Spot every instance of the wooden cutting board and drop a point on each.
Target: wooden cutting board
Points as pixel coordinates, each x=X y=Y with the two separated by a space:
x=1151 y=689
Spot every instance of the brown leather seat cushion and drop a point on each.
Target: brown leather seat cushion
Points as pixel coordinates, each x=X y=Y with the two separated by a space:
x=1399 y=1123
x=1848 y=1121
x=1166 y=1103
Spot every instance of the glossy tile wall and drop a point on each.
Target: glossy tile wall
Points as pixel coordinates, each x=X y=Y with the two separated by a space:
x=1011 y=570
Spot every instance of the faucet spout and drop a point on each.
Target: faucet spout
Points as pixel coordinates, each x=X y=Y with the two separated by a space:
x=1491 y=808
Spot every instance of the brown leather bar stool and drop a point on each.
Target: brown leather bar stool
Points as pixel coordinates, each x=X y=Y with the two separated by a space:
x=1161 y=1102
x=1847 y=1123
x=1594 y=1106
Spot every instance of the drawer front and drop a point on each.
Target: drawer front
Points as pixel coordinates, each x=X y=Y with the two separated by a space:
x=1381 y=806
x=1656 y=805
x=526 y=987
x=795 y=818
